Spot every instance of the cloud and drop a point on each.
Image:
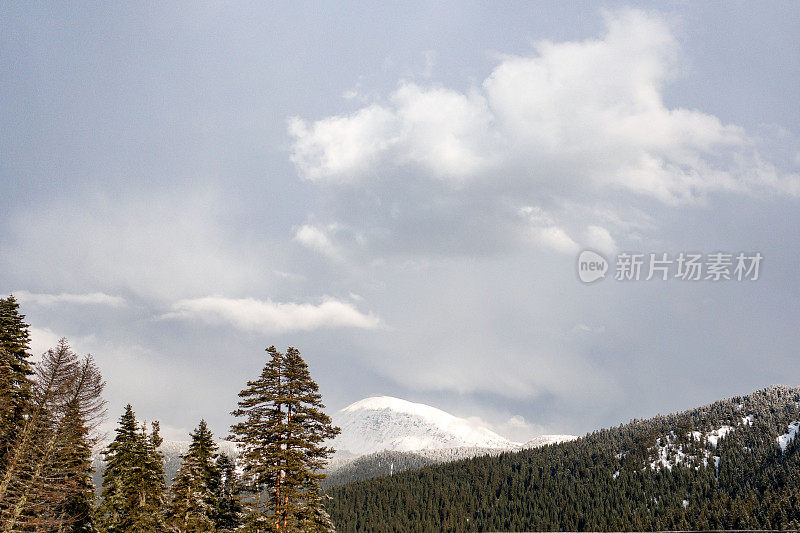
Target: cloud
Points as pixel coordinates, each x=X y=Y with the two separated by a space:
x=546 y=233
x=165 y=244
x=267 y=316
x=516 y=428
x=556 y=239
x=587 y=113
x=341 y=148
x=598 y=238
x=49 y=300
x=44 y=338
x=438 y=130
x=316 y=239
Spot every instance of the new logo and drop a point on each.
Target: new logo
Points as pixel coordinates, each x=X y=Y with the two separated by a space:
x=591 y=266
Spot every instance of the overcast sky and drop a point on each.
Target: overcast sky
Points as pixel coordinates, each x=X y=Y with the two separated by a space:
x=401 y=191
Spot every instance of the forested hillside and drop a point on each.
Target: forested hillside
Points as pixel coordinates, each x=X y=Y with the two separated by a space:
x=733 y=464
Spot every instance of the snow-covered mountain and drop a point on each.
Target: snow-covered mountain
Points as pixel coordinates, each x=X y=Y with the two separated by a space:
x=385 y=423
x=383 y=435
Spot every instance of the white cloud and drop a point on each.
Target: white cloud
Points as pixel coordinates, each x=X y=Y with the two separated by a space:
x=599 y=238
x=516 y=428
x=43 y=338
x=342 y=148
x=268 y=316
x=556 y=239
x=49 y=300
x=441 y=131
x=546 y=233
x=316 y=239
x=589 y=113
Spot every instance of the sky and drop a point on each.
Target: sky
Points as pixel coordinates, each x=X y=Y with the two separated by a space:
x=401 y=191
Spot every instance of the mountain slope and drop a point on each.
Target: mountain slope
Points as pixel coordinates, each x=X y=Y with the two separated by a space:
x=730 y=465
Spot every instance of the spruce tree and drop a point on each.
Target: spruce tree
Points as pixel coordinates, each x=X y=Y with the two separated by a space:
x=118 y=493
x=282 y=440
x=197 y=487
x=15 y=372
x=133 y=482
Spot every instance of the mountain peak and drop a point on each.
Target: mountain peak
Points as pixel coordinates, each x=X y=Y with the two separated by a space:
x=385 y=423
x=377 y=403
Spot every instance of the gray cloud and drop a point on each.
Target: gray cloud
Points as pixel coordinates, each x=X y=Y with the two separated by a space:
x=418 y=237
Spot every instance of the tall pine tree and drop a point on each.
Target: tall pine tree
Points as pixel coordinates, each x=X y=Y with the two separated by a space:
x=133 y=482
x=282 y=439
x=197 y=487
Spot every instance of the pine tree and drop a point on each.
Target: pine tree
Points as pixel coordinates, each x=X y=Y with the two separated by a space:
x=15 y=372
x=197 y=487
x=133 y=482
x=282 y=446
x=308 y=428
x=118 y=493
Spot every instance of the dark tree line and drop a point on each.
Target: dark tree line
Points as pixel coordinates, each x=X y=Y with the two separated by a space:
x=49 y=412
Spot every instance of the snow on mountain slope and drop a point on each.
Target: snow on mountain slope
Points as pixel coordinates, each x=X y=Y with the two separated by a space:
x=386 y=423
x=544 y=440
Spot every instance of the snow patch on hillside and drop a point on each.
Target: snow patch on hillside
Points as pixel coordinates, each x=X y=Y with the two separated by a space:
x=668 y=452
x=786 y=438
x=715 y=435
